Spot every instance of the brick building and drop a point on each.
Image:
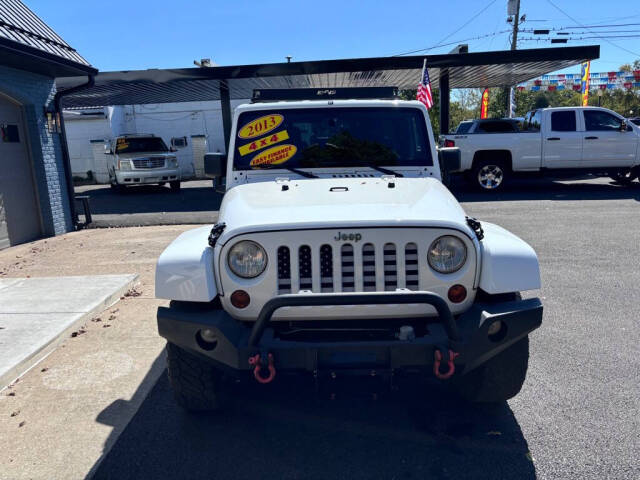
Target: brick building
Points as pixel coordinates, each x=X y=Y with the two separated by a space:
x=35 y=188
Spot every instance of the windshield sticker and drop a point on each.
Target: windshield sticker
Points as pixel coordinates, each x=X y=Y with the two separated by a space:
x=273 y=156
x=263 y=142
x=261 y=125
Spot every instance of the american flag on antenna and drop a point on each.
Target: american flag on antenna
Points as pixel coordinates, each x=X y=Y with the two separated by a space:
x=424 y=89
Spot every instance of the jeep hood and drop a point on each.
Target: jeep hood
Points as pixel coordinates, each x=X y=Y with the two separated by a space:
x=339 y=203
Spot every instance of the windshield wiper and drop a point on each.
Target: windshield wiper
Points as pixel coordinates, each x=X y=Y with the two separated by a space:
x=386 y=171
x=291 y=169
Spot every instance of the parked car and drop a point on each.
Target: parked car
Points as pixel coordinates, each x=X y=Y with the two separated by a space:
x=142 y=159
x=337 y=250
x=559 y=141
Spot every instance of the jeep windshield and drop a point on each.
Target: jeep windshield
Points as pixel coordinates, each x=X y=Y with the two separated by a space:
x=140 y=144
x=331 y=138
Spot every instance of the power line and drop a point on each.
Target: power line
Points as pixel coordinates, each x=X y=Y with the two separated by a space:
x=455 y=42
x=583 y=26
x=606 y=32
x=536 y=39
x=439 y=43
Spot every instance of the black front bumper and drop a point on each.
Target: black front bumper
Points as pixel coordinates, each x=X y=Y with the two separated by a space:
x=181 y=324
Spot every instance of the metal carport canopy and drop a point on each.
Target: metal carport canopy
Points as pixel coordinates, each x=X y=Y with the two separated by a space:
x=457 y=70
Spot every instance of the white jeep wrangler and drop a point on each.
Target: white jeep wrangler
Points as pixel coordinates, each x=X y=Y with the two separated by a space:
x=338 y=249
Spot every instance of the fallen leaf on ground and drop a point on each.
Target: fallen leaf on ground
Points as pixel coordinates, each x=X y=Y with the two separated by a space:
x=15 y=414
x=494 y=432
x=132 y=293
x=21 y=424
x=529 y=457
x=44 y=369
x=106 y=325
x=11 y=394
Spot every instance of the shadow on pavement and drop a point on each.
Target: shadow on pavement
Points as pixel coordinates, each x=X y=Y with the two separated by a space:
x=152 y=199
x=547 y=189
x=287 y=430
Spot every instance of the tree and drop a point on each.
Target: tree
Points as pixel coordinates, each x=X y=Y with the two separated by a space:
x=630 y=67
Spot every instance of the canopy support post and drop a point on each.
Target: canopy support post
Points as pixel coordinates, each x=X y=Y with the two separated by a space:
x=443 y=81
x=225 y=101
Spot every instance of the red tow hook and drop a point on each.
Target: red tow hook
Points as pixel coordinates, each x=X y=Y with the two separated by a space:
x=255 y=361
x=436 y=364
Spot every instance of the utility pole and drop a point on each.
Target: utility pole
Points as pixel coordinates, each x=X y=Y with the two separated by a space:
x=511 y=6
x=516 y=24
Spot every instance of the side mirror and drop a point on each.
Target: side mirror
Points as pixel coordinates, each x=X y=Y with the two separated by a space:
x=215 y=165
x=623 y=126
x=450 y=161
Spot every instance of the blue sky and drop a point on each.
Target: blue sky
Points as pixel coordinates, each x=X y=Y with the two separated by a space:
x=139 y=34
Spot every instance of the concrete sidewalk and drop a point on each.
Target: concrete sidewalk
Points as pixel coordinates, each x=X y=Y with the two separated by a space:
x=60 y=418
x=36 y=314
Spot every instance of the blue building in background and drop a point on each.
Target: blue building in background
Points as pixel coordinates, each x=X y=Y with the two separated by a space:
x=36 y=192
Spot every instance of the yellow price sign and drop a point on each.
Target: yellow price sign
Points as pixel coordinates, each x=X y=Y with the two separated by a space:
x=261 y=125
x=263 y=143
x=274 y=155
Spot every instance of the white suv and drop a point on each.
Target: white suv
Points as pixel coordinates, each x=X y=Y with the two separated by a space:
x=142 y=159
x=338 y=249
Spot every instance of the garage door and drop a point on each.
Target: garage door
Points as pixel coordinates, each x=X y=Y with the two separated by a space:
x=19 y=215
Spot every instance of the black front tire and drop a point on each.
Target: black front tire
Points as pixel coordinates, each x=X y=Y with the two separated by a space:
x=175 y=186
x=499 y=379
x=197 y=385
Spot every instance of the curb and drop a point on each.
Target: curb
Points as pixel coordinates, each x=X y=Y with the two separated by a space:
x=27 y=363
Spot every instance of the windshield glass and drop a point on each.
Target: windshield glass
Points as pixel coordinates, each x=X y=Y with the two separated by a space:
x=331 y=137
x=140 y=144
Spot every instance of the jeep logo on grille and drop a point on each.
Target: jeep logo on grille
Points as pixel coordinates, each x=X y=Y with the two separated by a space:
x=352 y=237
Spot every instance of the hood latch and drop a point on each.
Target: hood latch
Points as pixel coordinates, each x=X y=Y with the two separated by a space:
x=216 y=231
x=476 y=227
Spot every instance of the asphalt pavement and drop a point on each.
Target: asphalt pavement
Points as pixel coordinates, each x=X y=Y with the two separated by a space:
x=576 y=417
x=144 y=205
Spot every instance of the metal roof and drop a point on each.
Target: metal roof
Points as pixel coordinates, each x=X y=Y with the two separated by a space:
x=481 y=69
x=22 y=31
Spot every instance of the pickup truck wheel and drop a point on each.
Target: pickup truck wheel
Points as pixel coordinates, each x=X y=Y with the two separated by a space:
x=625 y=177
x=196 y=384
x=489 y=176
x=175 y=186
x=499 y=379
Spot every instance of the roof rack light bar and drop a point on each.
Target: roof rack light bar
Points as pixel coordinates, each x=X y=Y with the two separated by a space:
x=278 y=94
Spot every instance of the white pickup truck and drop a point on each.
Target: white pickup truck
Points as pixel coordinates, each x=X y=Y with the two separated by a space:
x=556 y=141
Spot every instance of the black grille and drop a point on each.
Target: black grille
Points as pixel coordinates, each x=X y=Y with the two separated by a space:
x=304 y=267
x=284 y=270
x=411 y=265
x=347 y=267
x=390 y=267
x=369 y=267
x=326 y=268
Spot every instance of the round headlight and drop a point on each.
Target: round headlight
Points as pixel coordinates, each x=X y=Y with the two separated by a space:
x=247 y=259
x=447 y=254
